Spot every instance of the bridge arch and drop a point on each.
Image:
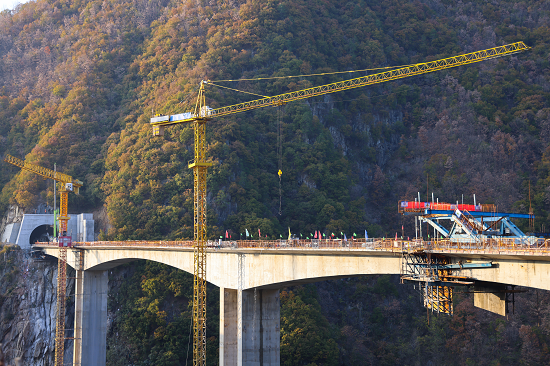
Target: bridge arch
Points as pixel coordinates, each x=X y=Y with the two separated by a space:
x=248 y=269
x=258 y=268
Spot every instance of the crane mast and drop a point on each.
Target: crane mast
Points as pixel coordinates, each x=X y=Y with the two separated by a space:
x=199 y=166
x=68 y=184
x=202 y=114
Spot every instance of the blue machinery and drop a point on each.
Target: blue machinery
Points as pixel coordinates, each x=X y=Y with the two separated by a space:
x=435 y=275
x=476 y=226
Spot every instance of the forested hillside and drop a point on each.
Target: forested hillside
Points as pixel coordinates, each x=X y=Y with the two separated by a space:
x=80 y=80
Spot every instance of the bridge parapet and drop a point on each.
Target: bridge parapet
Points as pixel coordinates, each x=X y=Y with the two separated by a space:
x=514 y=246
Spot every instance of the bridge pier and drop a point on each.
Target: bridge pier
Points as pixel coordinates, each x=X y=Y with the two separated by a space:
x=90 y=318
x=249 y=327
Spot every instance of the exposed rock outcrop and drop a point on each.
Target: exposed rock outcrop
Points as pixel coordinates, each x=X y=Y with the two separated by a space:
x=28 y=307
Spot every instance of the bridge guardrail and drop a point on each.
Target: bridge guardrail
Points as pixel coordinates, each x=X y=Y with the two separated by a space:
x=493 y=246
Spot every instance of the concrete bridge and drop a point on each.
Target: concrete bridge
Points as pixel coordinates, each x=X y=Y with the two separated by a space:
x=250 y=274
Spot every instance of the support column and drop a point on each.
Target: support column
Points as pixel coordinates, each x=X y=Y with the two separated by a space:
x=251 y=336
x=228 y=326
x=78 y=304
x=90 y=321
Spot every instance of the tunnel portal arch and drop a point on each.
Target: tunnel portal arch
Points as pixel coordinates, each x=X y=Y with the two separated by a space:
x=42 y=233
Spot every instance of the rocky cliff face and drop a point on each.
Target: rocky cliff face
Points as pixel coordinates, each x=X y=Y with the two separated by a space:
x=28 y=307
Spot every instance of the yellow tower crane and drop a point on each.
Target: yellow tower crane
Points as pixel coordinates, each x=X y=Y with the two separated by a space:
x=68 y=184
x=202 y=114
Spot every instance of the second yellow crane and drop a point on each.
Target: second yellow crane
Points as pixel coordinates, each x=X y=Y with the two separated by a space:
x=68 y=184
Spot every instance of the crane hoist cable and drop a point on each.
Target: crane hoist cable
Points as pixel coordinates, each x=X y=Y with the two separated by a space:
x=202 y=114
x=280 y=112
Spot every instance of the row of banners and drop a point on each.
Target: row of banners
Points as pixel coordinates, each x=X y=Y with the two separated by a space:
x=317 y=235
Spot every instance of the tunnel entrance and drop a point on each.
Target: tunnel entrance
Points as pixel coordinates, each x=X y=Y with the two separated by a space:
x=41 y=233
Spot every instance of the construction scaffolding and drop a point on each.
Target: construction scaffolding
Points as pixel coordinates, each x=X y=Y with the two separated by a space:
x=432 y=277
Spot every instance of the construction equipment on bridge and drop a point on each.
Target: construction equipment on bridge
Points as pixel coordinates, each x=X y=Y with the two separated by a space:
x=470 y=223
x=480 y=224
x=202 y=114
x=68 y=184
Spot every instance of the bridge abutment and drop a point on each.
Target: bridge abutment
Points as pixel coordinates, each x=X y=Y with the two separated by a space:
x=249 y=327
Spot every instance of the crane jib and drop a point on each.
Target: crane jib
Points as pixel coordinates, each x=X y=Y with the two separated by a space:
x=403 y=72
x=44 y=172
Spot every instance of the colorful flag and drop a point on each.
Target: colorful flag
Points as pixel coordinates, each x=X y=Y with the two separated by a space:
x=259 y=233
x=315 y=237
x=226 y=234
x=366 y=236
x=345 y=237
x=324 y=235
x=354 y=234
x=247 y=234
x=289 y=235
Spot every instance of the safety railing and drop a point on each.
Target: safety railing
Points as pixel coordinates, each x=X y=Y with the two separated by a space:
x=527 y=246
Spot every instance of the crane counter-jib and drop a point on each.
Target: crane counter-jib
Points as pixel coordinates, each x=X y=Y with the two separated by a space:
x=159 y=122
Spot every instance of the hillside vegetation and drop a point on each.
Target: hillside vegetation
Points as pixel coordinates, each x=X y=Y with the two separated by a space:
x=80 y=80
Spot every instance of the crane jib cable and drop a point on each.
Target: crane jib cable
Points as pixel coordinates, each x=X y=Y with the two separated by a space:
x=237 y=90
x=311 y=75
x=400 y=73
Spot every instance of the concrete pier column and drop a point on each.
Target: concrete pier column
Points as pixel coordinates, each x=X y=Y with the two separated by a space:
x=249 y=327
x=78 y=304
x=90 y=321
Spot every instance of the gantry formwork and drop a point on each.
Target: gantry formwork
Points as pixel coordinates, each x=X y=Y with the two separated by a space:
x=474 y=226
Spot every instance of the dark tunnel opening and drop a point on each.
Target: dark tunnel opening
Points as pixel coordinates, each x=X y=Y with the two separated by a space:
x=42 y=233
